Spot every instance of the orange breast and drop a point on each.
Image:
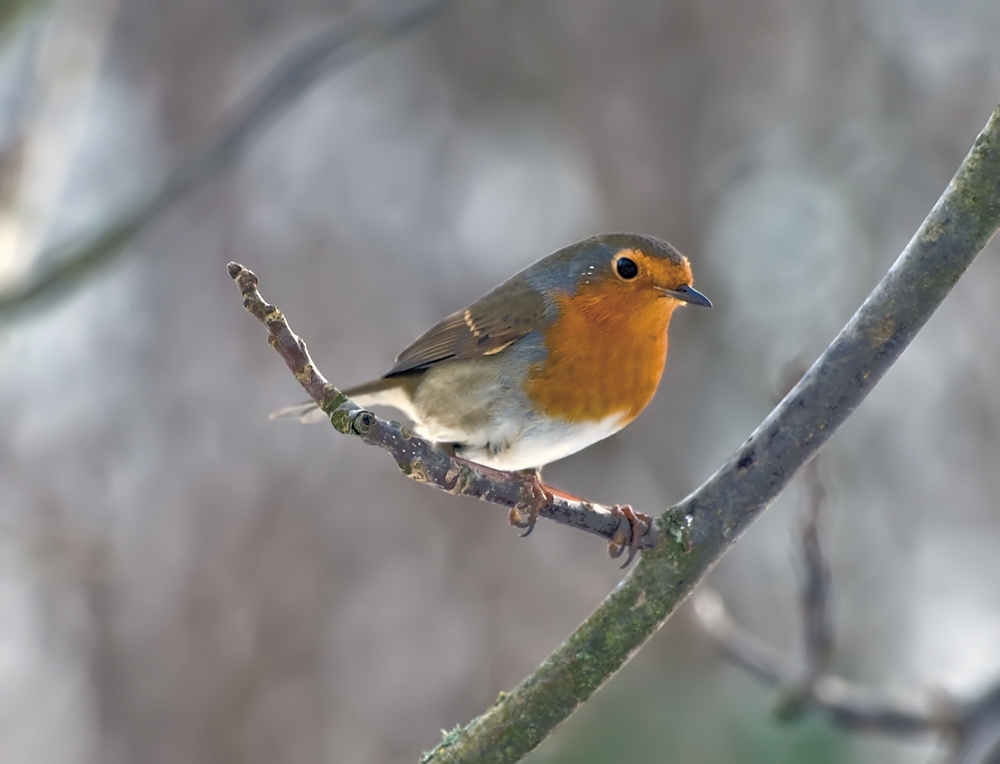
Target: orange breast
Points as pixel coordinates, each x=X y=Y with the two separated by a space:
x=606 y=355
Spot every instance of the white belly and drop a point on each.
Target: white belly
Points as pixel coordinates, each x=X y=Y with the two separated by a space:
x=541 y=442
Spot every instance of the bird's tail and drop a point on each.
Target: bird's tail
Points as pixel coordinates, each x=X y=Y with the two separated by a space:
x=379 y=392
x=307 y=413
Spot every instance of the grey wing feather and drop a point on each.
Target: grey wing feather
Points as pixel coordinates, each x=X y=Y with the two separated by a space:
x=490 y=324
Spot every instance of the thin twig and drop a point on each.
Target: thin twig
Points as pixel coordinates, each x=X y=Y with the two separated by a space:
x=848 y=704
x=811 y=688
x=818 y=640
x=417 y=458
x=743 y=648
x=66 y=266
x=971 y=729
x=816 y=620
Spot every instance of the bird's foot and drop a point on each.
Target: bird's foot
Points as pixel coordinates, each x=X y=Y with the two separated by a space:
x=534 y=496
x=639 y=525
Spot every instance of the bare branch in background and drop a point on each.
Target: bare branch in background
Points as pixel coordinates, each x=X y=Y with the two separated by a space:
x=810 y=687
x=971 y=730
x=423 y=461
x=66 y=266
x=815 y=617
x=846 y=703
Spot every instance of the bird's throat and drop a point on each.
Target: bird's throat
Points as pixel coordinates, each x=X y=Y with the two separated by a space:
x=606 y=354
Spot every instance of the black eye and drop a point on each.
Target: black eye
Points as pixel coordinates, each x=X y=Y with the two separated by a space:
x=627 y=269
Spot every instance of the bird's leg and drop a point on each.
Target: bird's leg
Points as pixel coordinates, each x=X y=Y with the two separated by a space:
x=539 y=495
x=639 y=525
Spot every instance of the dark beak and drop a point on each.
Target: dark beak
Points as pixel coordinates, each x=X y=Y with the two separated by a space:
x=688 y=294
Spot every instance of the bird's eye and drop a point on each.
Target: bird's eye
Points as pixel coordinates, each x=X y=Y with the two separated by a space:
x=627 y=268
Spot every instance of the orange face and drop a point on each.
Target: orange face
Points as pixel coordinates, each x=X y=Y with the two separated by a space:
x=608 y=346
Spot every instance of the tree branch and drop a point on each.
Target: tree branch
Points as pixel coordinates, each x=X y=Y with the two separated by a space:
x=419 y=459
x=66 y=266
x=711 y=519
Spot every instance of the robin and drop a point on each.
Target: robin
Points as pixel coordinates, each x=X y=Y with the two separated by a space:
x=556 y=358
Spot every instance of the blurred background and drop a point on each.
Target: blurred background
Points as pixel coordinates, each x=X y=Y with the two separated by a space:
x=182 y=580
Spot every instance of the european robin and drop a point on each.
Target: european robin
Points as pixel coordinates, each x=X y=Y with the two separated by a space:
x=559 y=356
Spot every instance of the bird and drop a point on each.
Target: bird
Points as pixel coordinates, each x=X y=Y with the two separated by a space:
x=560 y=356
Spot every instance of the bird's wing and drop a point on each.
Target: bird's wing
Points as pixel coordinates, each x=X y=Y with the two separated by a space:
x=492 y=323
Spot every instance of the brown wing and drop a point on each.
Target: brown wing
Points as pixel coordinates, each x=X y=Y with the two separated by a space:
x=486 y=327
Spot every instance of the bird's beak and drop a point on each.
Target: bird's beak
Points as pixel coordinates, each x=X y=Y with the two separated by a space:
x=688 y=294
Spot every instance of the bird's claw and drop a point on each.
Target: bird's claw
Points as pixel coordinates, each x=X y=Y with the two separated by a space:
x=639 y=525
x=537 y=497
